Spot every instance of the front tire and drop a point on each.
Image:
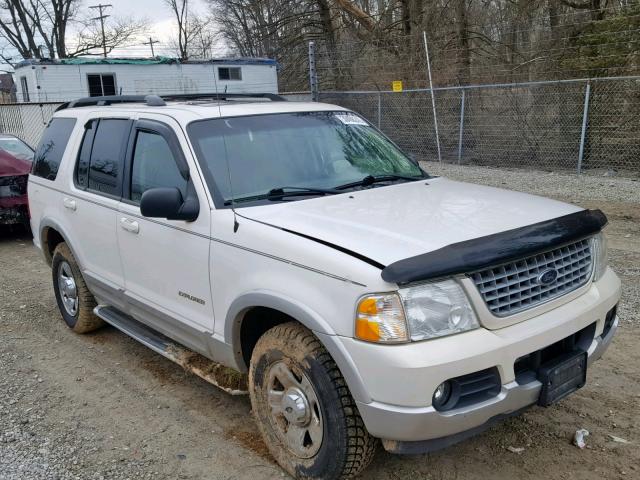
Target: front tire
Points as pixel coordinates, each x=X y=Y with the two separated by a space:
x=75 y=301
x=303 y=407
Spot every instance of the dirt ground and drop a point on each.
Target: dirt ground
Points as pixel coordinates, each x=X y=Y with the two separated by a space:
x=102 y=406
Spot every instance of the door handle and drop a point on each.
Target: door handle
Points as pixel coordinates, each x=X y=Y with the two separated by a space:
x=69 y=203
x=129 y=225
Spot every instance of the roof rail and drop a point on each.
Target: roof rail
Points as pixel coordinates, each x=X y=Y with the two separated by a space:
x=159 y=100
x=222 y=96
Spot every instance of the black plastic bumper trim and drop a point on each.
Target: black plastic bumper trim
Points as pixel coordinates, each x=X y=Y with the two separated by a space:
x=503 y=247
x=427 y=446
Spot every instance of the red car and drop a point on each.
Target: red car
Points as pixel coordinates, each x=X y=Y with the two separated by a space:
x=15 y=164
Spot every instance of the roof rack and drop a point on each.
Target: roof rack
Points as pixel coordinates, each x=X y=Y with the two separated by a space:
x=160 y=100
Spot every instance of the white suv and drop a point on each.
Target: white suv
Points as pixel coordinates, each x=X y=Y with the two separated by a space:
x=294 y=242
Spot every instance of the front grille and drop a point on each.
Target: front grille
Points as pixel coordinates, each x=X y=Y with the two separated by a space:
x=513 y=287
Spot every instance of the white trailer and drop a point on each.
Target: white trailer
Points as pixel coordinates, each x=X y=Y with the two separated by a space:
x=68 y=79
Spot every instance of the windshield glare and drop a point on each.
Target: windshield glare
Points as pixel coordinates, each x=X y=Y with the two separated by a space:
x=305 y=150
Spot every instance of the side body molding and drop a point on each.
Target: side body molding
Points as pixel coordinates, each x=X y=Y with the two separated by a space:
x=503 y=247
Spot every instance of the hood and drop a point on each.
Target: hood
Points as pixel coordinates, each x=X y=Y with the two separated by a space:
x=10 y=165
x=387 y=224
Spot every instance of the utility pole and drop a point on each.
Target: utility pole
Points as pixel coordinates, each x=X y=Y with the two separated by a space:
x=150 y=43
x=100 y=8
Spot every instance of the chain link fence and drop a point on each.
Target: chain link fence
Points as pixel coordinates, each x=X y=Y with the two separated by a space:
x=577 y=125
x=26 y=120
x=574 y=125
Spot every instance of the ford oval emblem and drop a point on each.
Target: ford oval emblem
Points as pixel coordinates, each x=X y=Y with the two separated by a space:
x=547 y=277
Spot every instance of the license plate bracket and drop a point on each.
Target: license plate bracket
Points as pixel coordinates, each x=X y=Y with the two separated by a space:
x=562 y=376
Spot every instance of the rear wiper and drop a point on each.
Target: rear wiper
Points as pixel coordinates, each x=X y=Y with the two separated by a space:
x=282 y=192
x=371 y=179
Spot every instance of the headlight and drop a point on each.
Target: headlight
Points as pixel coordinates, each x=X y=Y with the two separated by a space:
x=599 y=253
x=437 y=309
x=380 y=318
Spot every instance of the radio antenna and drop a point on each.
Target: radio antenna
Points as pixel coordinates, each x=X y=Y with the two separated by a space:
x=236 y=225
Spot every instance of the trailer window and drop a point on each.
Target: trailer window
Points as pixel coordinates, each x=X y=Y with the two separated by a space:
x=229 y=73
x=25 y=89
x=101 y=84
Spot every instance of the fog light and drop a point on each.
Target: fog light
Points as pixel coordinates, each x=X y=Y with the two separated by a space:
x=442 y=394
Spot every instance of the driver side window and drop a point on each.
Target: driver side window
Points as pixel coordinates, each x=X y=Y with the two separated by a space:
x=154 y=166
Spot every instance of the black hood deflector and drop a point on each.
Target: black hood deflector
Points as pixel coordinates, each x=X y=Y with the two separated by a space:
x=503 y=247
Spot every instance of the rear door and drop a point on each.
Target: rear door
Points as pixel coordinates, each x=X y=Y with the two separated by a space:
x=92 y=205
x=166 y=262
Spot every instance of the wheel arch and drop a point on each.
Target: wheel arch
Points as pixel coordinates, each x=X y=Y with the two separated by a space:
x=252 y=314
x=51 y=234
x=278 y=308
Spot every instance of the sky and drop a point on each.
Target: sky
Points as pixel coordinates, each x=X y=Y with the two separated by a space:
x=160 y=19
x=161 y=22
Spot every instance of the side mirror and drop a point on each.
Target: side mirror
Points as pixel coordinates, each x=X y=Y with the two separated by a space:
x=165 y=202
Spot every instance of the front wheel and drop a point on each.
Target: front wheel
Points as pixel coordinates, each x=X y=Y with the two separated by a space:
x=303 y=407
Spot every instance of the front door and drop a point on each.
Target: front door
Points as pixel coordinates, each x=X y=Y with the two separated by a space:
x=165 y=262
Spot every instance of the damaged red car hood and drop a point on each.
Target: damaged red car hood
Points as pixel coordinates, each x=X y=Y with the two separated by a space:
x=10 y=165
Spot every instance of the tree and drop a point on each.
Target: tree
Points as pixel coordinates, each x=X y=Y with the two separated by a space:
x=118 y=32
x=367 y=43
x=39 y=29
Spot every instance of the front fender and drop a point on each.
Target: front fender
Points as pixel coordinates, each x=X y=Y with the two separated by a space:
x=307 y=317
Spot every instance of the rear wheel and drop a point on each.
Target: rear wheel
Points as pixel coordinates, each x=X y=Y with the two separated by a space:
x=75 y=301
x=304 y=409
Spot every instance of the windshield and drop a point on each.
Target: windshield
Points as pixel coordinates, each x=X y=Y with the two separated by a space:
x=313 y=150
x=16 y=148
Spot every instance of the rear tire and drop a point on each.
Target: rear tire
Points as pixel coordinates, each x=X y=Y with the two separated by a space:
x=75 y=301
x=303 y=407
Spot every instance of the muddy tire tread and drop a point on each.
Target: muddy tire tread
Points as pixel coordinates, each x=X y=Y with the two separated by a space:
x=361 y=446
x=86 y=320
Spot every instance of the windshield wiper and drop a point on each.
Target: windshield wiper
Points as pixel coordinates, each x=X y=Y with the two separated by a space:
x=371 y=179
x=291 y=191
x=282 y=192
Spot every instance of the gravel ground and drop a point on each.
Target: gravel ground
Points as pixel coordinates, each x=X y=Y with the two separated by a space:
x=102 y=406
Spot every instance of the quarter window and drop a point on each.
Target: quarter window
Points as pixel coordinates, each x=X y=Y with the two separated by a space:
x=51 y=148
x=101 y=84
x=154 y=166
x=105 y=165
x=229 y=73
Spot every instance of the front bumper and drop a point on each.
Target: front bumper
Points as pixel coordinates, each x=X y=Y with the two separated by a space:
x=397 y=382
x=14 y=214
x=14 y=206
x=512 y=400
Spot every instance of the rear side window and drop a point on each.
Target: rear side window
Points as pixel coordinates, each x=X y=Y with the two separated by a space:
x=105 y=163
x=51 y=148
x=154 y=166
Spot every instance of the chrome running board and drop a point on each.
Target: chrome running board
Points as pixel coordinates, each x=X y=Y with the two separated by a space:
x=225 y=378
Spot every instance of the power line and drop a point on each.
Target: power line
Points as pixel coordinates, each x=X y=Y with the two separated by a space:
x=101 y=17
